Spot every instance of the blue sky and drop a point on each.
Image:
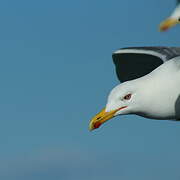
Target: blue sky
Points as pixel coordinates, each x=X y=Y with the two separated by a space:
x=55 y=74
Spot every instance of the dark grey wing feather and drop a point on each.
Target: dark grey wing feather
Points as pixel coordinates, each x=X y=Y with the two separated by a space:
x=134 y=62
x=178 y=1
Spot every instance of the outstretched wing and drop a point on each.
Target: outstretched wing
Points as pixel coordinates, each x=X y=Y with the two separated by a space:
x=134 y=62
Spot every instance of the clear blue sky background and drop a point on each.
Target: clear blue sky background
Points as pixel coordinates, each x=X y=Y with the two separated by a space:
x=55 y=74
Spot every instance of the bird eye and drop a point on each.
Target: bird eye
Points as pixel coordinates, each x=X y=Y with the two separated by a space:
x=127 y=97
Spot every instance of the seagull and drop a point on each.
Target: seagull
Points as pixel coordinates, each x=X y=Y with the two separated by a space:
x=150 y=85
x=172 y=20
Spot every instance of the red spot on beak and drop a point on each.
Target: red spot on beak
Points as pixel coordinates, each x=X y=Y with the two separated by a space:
x=97 y=125
x=165 y=28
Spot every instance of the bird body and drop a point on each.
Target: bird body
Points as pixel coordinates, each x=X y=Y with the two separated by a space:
x=155 y=95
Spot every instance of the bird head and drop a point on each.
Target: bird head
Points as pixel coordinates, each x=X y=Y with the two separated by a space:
x=121 y=100
x=173 y=20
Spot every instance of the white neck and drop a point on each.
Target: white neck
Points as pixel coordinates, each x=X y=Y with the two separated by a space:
x=159 y=93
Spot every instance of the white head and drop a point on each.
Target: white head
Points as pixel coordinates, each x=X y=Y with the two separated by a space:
x=172 y=20
x=123 y=99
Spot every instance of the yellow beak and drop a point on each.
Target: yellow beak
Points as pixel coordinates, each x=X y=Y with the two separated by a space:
x=101 y=118
x=168 y=23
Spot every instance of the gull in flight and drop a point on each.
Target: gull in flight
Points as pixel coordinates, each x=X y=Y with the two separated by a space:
x=150 y=85
x=172 y=20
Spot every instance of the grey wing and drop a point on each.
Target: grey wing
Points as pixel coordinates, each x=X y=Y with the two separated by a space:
x=178 y=1
x=134 y=62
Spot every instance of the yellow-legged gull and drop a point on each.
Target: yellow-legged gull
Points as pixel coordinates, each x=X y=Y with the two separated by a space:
x=150 y=85
x=172 y=20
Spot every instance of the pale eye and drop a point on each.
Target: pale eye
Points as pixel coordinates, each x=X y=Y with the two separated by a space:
x=127 y=97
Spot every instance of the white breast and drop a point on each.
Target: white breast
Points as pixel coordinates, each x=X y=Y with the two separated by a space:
x=161 y=92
